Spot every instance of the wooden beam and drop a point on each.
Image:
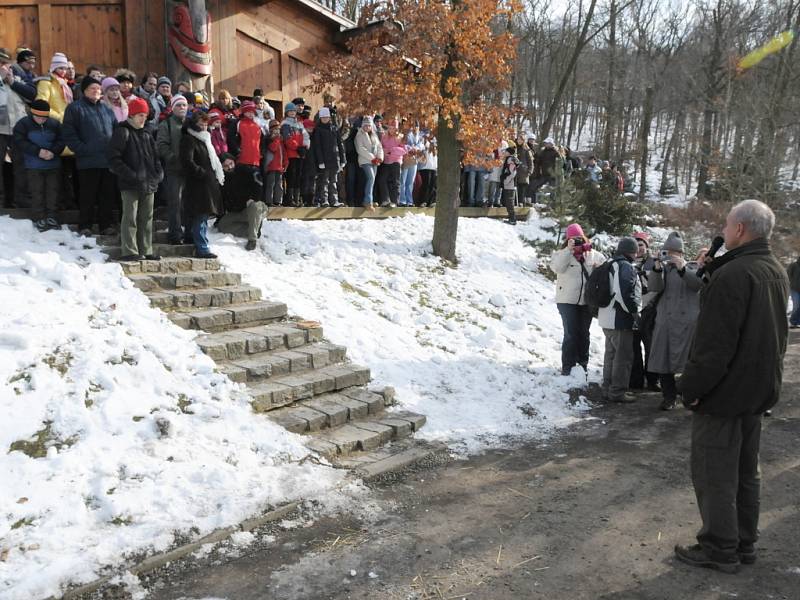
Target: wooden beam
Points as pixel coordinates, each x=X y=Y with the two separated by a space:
x=349 y=212
x=58 y=2
x=46 y=45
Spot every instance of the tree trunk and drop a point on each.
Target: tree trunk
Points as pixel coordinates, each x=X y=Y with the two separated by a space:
x=565 y=76
x=704 y=162
x=644 y=131
x=445 y=225
x=612 y=54
x=673 y=144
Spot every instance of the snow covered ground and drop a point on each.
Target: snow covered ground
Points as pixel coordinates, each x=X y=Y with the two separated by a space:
x=135 y=436
x=122 y=433
x=476 y=348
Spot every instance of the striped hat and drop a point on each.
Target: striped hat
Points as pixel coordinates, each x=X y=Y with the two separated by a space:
x=40 y=108
x=59 y=61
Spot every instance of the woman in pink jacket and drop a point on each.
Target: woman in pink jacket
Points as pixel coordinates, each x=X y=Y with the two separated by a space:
x=394 y=149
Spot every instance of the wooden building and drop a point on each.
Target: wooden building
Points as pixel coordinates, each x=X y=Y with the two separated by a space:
x=238 y=45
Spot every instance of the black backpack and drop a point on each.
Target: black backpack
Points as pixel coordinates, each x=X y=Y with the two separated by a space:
x=598 y=286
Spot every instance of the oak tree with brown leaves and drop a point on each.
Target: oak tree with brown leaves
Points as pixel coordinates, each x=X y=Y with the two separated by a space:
x=445 y=64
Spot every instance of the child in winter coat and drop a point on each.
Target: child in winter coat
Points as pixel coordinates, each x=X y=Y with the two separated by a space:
x=275 y=164
x=508 y=177
x=219 y=131
x=39 y=138
x=394 y=149
x=328 y=159
x=296 y=141
x=495 y=183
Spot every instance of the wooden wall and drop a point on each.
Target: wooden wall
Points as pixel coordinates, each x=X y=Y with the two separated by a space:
x=270 y=45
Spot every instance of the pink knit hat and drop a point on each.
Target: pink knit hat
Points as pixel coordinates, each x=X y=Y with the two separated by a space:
x=574 y=231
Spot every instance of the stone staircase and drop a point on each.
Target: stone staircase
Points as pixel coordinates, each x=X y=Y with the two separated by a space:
x=295 y=377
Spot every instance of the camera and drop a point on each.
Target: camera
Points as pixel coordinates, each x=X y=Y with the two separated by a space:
x=664 y=255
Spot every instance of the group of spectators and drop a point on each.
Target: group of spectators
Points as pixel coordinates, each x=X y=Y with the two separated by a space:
x=98 y=142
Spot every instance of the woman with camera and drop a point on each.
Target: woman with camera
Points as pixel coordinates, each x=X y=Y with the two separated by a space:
x=573 y=264
x=678 y=305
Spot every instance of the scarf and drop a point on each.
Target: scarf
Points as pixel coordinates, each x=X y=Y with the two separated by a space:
x=216 y=166
x=65 y=89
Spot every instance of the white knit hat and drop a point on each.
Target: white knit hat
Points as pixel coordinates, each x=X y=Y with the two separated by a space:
x=177 y=99
x=59 y=61
x=324 y=112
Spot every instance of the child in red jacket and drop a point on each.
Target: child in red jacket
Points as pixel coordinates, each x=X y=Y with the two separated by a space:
x=275 y=163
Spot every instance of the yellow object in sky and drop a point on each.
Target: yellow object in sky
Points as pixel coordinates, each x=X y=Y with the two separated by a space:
x=776 y=44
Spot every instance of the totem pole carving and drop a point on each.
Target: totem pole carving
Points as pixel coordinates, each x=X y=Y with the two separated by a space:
x=189 y=37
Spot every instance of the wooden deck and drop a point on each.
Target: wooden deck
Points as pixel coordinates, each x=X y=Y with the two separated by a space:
x=314 y=214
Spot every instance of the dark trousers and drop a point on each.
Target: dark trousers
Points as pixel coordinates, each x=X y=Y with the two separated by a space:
x=576 y=320
x=22 y=196
x=639 y=372
x=97 y=198
x=727 y=481
x=668 y=387
x=389 y=182
x=428 y=193
x=325 y=186
x=509 y=198
x=294 y=174
x=354 y=184
x=44 y=186
x=5 y=144
x=273 y=188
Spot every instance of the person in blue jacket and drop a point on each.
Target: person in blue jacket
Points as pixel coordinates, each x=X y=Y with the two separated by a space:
x=87 y=128
x=38 y=136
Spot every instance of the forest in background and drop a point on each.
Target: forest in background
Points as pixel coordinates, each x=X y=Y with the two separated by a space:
x=657 y=84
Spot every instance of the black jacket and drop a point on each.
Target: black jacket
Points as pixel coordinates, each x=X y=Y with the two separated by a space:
x=327 y=147
x=546 y=162
x=133 y=158
x=201 y=192
x=735 y=365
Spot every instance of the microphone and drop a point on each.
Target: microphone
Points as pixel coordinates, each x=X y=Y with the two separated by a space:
x=716 y=244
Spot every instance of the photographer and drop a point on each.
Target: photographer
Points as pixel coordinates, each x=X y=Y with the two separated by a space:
x=677 y=307
x=573 y=264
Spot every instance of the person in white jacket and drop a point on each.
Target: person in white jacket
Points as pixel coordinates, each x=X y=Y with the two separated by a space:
x=573 y=264
x=370 y=154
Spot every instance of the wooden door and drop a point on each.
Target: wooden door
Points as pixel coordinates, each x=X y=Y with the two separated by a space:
x=87 y=31
x=258 y=66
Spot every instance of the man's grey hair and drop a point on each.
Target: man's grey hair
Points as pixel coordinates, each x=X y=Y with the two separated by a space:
x=756 y=216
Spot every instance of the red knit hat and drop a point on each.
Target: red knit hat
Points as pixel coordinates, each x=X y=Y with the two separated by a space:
x=137 y=106
x=215 y=115
x=641 y=235
x=247 y=106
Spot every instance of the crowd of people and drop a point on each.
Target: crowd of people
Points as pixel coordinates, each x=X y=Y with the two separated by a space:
x=99 y=142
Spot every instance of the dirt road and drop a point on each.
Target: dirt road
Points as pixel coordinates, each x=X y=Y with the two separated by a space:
x=592 y=514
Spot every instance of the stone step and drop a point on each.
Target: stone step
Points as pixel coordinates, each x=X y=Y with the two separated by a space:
x=159 y=237
x=273 y=363
x=364 y=434
x=170 y=264
x=182 y=300
x=238 y=343
x=286 y=389
x=393 y=458
x=186 y=280
x=329 y=410
x=235 y=316
x=159 y=249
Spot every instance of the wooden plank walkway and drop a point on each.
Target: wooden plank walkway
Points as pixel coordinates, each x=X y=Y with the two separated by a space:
x=314 y=214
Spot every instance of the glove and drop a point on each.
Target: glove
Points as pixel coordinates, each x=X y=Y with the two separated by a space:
x=321 y=166
x=376 y=161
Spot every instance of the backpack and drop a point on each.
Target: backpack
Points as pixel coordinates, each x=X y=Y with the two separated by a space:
x=598 y=286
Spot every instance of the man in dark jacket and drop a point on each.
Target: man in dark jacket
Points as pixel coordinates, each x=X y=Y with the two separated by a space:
x=168 y=142
x=618 y=320
x=24 y=76
x=328 y=151
x=546 y=163
x=87 y=128
x=732 y=376
x=794 y=285
x=39 y=139
x=134 y=160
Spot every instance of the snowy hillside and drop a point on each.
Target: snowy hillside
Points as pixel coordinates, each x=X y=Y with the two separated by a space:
x=117 y=433
x=476 y=349
x=122 y=432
